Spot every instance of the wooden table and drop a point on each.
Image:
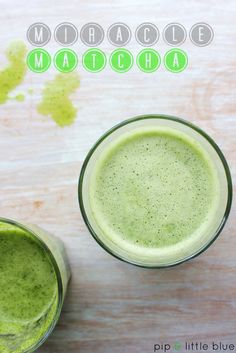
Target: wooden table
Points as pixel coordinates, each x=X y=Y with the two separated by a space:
x=112 y=306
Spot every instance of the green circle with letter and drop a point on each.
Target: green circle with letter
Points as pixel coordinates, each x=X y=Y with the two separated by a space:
x=38 y=60
x=148 y=60
x=94 y=60
x=121 y=60
x=65 y=60
x=177 y=346
x=176 y=60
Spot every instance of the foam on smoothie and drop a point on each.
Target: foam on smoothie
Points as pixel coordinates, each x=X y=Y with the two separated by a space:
x=153 y=190
x=28 y=290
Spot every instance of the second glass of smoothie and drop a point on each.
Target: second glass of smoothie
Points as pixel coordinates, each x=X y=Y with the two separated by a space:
x=33 y=282
x=155 y=191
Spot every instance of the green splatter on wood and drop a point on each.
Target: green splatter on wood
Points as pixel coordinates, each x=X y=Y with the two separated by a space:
x=20 y=97
x=55 y=99
x=14 y=73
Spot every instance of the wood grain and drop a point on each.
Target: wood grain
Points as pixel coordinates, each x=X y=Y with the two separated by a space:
x=112 y=306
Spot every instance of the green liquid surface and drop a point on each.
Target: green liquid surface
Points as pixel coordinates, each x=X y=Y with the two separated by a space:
x=152 y=188
x=28 y=290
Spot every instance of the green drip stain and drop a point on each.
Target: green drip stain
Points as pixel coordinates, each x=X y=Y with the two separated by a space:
x=14 y=73
x=20 y=97
x=55 y=99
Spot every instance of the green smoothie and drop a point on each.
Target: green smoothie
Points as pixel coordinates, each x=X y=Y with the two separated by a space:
x=153 y=191
x=28 y=290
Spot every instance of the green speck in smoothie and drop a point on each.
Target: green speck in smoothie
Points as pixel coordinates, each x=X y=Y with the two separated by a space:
x=55 y=99
x=14 y=73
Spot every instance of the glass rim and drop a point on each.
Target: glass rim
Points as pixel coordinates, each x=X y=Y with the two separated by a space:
x=163 y=117
x=58 y=277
